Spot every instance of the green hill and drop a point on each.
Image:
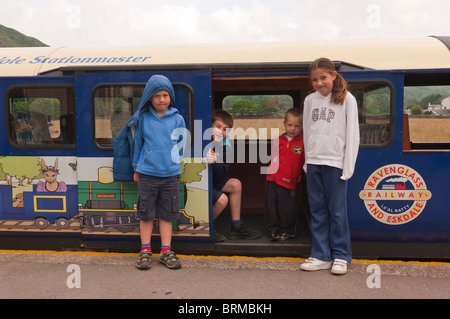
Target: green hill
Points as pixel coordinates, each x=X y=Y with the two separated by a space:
x=12 y=38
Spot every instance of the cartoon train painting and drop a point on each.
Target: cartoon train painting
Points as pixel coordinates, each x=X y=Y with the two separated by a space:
x=50 y=194
x=49 y=201
x=107 y=206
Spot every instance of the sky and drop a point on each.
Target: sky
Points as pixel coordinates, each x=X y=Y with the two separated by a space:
x=91 y=23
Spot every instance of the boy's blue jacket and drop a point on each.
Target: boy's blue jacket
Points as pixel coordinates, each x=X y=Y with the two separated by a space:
x=132 y=153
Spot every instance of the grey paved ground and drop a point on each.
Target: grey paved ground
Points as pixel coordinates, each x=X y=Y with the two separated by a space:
x=101 y=276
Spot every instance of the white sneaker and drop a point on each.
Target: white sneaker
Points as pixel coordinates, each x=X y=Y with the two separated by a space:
x=339 y=267
x=313 y=264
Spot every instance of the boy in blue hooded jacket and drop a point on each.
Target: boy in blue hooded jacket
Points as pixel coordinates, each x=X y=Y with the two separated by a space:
x=156 y=162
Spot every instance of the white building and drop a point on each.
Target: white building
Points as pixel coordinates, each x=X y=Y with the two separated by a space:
x=440 y=109
x=446 y=103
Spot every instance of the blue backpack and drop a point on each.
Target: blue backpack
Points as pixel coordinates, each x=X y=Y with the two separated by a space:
x=123 y=148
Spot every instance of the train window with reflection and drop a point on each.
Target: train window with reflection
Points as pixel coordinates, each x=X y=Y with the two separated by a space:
x=113 y=105
x=41 y=117
x=257 y=116
x=426 y=118
x=376 y=111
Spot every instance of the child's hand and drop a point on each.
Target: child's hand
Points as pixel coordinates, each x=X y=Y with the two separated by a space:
x=211 y=157
x=136 y=177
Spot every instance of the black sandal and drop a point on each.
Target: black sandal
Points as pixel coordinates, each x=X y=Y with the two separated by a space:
x=170 y=260
x=144 y=260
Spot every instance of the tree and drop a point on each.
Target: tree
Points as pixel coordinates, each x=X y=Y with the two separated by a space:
x=430 y=99
x=47 y=106
x=21 y=168
x=416 y=110
x=244 y=106
x=190 y=172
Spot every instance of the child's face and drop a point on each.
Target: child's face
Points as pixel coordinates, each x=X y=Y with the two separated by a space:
x=322 y=81
x=160 y=101
x=219 y=130
x=293 y=125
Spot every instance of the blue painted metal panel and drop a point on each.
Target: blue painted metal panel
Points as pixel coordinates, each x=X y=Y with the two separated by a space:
x=428 y=220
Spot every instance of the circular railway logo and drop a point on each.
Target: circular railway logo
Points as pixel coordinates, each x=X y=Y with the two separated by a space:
x=395 y=194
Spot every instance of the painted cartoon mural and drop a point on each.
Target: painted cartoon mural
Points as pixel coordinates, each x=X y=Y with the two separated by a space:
x=50 y=184
x=109 y=207
x=35 y=196
x=79 y=195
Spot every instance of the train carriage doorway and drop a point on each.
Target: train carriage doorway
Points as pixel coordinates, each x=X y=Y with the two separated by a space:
x=258 y=104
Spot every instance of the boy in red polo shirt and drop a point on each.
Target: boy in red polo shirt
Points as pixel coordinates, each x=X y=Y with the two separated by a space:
x=284 y=173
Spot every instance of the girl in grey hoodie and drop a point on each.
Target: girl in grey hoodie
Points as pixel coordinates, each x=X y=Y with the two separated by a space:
x=331 y=137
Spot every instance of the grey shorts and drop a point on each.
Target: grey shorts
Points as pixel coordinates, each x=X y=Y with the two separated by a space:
x=158 y=197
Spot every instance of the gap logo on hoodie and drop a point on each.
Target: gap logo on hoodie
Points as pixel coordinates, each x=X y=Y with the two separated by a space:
x=321 y=114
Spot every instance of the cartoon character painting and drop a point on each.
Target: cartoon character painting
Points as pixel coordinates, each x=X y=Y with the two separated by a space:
x=38 y=194
x=51 y=184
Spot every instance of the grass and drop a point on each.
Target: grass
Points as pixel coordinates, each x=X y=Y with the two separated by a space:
x=254 y=128
x=429 y=130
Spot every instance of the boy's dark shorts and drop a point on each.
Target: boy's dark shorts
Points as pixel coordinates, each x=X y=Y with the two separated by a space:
x=217 y=189
x=216 y=195
x=158 y=198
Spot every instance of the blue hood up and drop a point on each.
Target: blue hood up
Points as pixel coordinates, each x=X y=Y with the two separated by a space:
x=155 y=84
x=123 y=144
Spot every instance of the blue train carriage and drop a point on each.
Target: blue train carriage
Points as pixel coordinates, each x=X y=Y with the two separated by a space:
x=38 y=194
x=397 y=198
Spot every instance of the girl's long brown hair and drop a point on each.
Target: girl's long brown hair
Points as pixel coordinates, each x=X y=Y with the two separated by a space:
x=339 y=91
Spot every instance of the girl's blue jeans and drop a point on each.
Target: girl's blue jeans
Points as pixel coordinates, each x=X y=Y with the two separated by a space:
x=327 y=195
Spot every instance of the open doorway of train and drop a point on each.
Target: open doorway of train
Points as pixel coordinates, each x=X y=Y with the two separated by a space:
x=258 y=105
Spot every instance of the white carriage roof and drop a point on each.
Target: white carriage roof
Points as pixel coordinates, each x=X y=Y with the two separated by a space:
x=422 y=53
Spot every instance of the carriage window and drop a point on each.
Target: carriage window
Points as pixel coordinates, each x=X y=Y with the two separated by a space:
x=113 y=106
x=427 y=117
x=256 y=116
x=375 y=108
x=41 y=117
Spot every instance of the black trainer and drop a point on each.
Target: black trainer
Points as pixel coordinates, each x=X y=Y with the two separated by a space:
x=243 y=232
x=274 y=235
x=218 y=238
x=285 y=236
